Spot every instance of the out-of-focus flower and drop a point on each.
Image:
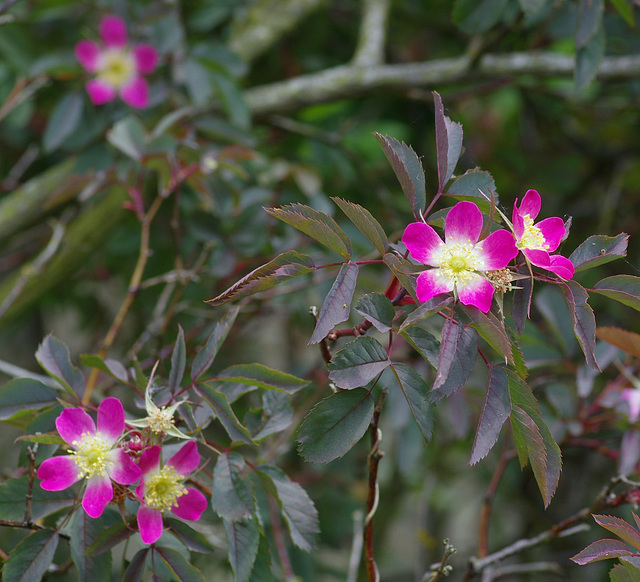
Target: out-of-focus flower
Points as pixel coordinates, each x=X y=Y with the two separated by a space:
x=537 y=240
x=631 y=396
x=461 y=260
x=118 y=69
x=162 y=488
x=95 y=455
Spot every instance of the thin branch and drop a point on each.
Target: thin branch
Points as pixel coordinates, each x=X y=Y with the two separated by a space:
x=372 y=36
x=356 y=546
x=442 y=569
x=491 y=574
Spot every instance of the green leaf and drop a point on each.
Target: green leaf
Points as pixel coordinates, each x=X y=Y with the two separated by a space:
x=476 y=186
x=424 y=343
x=262 y=377
x=584 y=321
x=30 y=559
x=624 y=572
x=588 y=59
x=13 y=494
x=478 y=16
x=64 y=119
x=276 y=415
x=181 y=570
x=625 y=10
x=359 y=362
x=204 y=358
x=317 y=225
x=531 y=7
x=335 y=425
x=192 y=539
x=337 y=304
x=232 y=100
x=136 y=567
x=416 y=392
x=220 y=405
x=491 y=329
x=111 y=367
x=129 y=136
x=244 y=537
x=231 y=494
x=284 y=267
x=365 y=223
x=55 y=360
x=178 y=362
x=378 y=310
x=110 y=537
x=589 y=21
x=598 y=250
x=408 y=169
x=425 y=311
x=448 y=143
x=24 y=394
x=622 y=288
x=84 y=531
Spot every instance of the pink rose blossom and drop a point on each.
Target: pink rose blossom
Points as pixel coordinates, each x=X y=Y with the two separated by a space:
x=162 y=488
x=95 y=456
x=461 y=260
x=537 y=240
x=631 y=396
x=118 y=69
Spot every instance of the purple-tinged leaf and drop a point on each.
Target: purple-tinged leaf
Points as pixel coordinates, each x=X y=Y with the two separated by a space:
x=54 y=358
x=492 y=330
x=448 y=143
x=261 y=376
x=601 y=550
x=365 y=223
x=424 y=343
x=110 y=537
x=378 y=310
x=627 y=341
x=416 y=392
x=629 y=452
x=284 y=267
x=317 y=225
x=589 y=21
x=22 y=394
x=584 y=321
x=137 y=566
x=275 y=415
x=359 y=362
x=408 y=169
x=204 y=358
x=337 y=304
x=84 y=531
x=621 y=528
x=598 y=250
x=193 y=540
x=29 y=560
x=335 y=425
x=476 y=186
x=220 y=405
x=622 y=288
x=178 y=362
x=522 y=303
x=180 y=568
x=495 y=410
x=244 y=538
x=231 y=494
x=399 y=267
x=426 y=310
x=458 y=348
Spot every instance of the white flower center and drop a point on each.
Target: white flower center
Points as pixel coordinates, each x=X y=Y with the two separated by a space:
x=116 y=67
x=532 y=237
x=459 y=261
x=160 y=420
x=163 y=488
x=92 y=455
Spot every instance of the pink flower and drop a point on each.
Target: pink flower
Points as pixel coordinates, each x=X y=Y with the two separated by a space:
x=118 y=69
x=632 y=398
x=162 y=488
x=461 y=261
x=95 y=456
x=537 y=240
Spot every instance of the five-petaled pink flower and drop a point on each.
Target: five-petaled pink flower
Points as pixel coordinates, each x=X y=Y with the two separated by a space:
x=461 y=261
x=118 y=69
x=95 y=455
x=162 y=488
x=537 y=240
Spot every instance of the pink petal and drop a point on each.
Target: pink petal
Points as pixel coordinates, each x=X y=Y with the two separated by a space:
x=100 y=92
x=88 y=54
x=497 y=249
x=463 y=223
x=113 y=31
x=632 y=397
x=136 y=93
x=149 y=524
x=431 y=283
x=561 y=266
x=191 y=505
x=72 y=423
x=530 y=204
x=186 y=460
x=150 y=460
x=124 y=470
x=58 y=473
x=537 y=257
x=422 y=242
x=553 y=231
x=97 y=495
x=111 y=419
x=518 y=222
x=476 y=291
x=146 y=58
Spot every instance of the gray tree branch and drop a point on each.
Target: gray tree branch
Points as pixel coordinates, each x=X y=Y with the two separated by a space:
x=372 y=35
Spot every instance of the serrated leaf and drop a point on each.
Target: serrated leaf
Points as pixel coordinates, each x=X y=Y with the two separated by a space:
x=178 y=362
x=491 y=329
x=335 y=425
x=54 y=358
x=84 y=531
x=111 y=367
x=476 y=186
x=365 y=223
x=204 y=358
x=231 y=494
x=13 y=493
x=624 y=572
x=416 y=392
x=129 y=136
x=22 y=394
x=598 y=250
x=337 y=304
x=378 y=310
x=110 y=537
x=359 y=362
x=220 y=405
x=261 y=376
x=284 y=267
x=397 y=266
x=589 y=21
x=627 y=341
x=426 y=310
x=29 y=560
x=495 y=411
x=181 y=570
x=317 y=225
x=299 y=512
x=622 y=288
x=276 y=415
x=192 y=539
x=448 y=143
x=43 y=439
x=63 y=120
x=588 y=59
x=584 y=321
x=625 y=10
x=424 y=343
x=408 y=169
x=136 y=567
x=601 y=550
x=621 y=528
x=244 y=538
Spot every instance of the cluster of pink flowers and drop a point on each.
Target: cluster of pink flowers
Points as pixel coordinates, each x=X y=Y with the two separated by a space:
x=467 y=266
x=98 y=454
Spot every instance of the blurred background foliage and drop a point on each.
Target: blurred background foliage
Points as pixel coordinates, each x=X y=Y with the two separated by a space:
x=265 y=102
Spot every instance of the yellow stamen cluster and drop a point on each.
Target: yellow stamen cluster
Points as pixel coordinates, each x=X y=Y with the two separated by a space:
x=459 y=261
x=532 y=237
x=92 y=455
x=116 y=67
x=163 y=488
x=160 y=420
x=500 y=279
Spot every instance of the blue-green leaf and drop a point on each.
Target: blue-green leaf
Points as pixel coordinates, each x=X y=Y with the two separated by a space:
x=54 y=358
x=30 y=559
x=359 y=362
